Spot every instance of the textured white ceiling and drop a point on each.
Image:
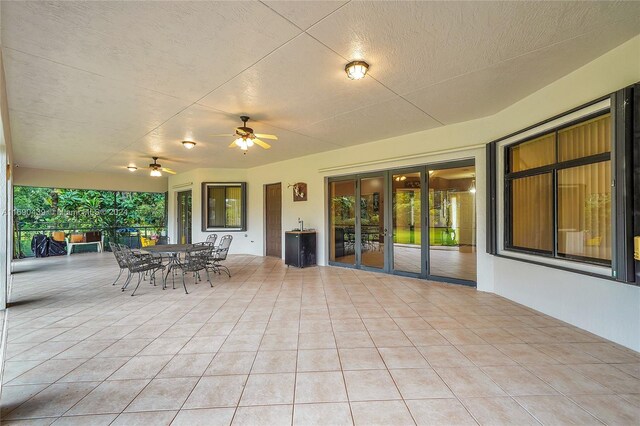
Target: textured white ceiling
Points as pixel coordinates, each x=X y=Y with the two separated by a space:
x=99 y=85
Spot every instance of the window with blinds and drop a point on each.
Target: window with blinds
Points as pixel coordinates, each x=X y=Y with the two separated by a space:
x=558 y=192
x=223 y=206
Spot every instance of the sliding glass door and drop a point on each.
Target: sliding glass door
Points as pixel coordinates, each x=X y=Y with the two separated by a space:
x=452 y=222
x=418 y=222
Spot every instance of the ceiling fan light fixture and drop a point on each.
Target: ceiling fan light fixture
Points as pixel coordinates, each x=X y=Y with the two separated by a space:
x=189 y=144
x=356 y=70
x=249 y=142
x=155 y=173
x=132 y=168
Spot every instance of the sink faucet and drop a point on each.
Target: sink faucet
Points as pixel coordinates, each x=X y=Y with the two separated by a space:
x=301 y=224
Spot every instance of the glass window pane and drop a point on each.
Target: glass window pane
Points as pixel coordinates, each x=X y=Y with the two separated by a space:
x=534 y=153
x=532 y=212
x=234 y=207
x=342 y=219
x=588 y=138
x=215 y=206
x=584 y=212
x=407 y=222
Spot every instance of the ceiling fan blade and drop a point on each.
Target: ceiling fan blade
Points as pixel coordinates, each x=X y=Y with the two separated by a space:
x=227 y=135
x=233 y=144
x=263 y=136
x=263 y=144
x=171 y=172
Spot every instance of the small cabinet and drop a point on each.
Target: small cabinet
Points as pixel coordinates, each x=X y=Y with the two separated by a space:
x=300 y=248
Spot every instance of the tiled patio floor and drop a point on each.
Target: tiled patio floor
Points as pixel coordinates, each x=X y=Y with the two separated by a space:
x=275 y=346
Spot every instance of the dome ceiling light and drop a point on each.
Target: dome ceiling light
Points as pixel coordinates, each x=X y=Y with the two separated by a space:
x=189 y=144
x=132 y=168
x=356 y=70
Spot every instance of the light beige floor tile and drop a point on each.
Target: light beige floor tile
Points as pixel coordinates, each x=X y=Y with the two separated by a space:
x=278 y=342
x=610 y=409
x=163 y=394
x=231 y=363
x=353 y=339
x=242 y=343
x=361 y=359
x=13 y=369
x=53 y=401
x=323 y=340
x=275 y=362
x=216 y=391
x=439 y=412
x=388 y=339
x=326 y=386
x=484 y=355
x=264 y=415
x=164 y=346
x=568 y=381
x=191 y=365
x=346 y=325
x=370 y=385
x=469 y=382
x=95 y=420
x=381 y=413
x=444 y=356
x=331 y=414
x=556 y=410
x=14 y=396
x=525 y=354
x=425 y=337
x=498 y=411
x=155 y=418
x=96 y=369
x=204 y=417
x=141 y=367
x=516 y=380
x=408 y=357
x=318 y=360
x=610 y=376
x=85 y=349
x=109 y=397
x=264 y=389
x=203 y=345
x=125 y=348
x=48 y=372
x=461 y=336
x=420 y=383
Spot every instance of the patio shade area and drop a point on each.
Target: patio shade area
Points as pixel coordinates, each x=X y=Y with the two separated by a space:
x=277 y=345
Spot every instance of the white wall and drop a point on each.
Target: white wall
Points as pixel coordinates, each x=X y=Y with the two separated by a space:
x=601 y=306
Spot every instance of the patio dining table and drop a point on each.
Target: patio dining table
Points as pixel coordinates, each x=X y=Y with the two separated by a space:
x=172 y=251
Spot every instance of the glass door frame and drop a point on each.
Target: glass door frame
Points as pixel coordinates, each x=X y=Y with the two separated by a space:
x=358 y=218
x=188 y=215
x=424 y=239
x=426 y=248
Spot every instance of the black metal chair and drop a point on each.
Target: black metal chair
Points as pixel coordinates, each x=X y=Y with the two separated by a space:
x=195 y=260
x=122 y=263
x=141 y=263
x=211 y=239
x=220 y=255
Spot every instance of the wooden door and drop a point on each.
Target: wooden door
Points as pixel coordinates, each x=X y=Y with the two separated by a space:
x=273 y=219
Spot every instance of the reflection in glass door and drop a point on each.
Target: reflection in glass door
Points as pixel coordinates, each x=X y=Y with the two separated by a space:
x=342 y=221
x=184 y=217
x=372 y=227
x=452 y=223
x=406 y=210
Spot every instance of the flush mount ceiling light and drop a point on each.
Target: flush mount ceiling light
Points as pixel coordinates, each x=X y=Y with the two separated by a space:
x=189 y=144
x=132 y=168
x=356 y=69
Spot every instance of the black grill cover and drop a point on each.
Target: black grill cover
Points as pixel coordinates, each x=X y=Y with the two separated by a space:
x=57 y=248
x=40 y=245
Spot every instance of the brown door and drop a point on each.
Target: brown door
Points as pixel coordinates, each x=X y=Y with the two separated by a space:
x=273 y=213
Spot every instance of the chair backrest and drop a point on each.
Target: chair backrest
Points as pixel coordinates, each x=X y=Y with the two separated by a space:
x=117 y=253
x=223 y=247
x=211 y=239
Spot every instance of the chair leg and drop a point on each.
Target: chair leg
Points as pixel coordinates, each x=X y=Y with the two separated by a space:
x=137 y=285
x=126 y=283
x=119 y=273
x=184 y=283
x=208 y=277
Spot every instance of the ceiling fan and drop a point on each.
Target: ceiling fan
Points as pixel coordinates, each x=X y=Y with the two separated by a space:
x=245 y=138
x=157 y=168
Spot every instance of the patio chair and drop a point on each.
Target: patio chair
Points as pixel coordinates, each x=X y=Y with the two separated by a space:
x=122 y=263
x=195 y=261
x=211 y=239
x=220 y=255
x=141 y=263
